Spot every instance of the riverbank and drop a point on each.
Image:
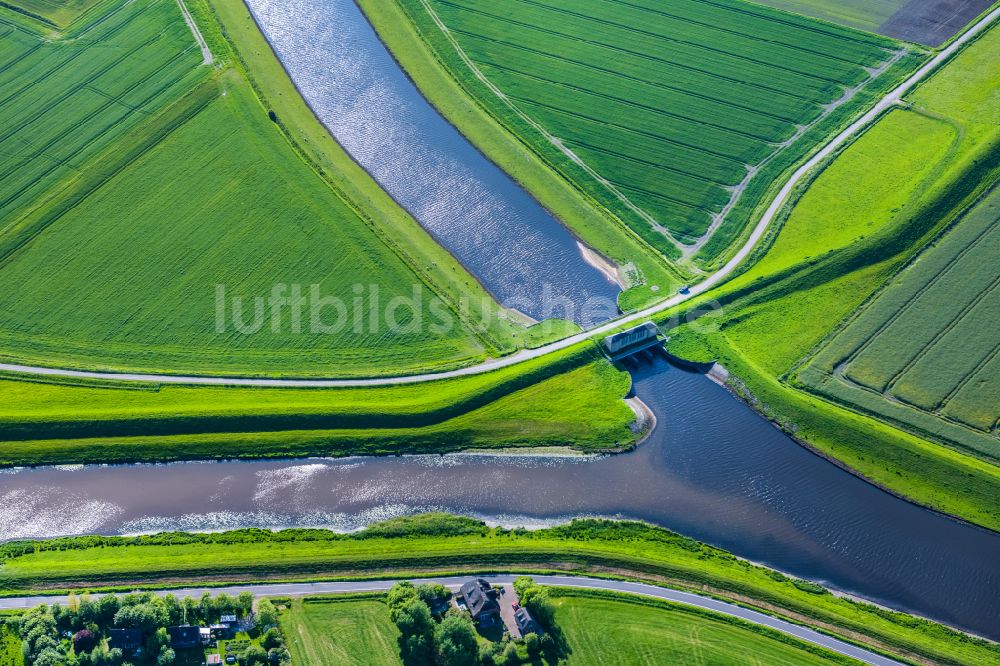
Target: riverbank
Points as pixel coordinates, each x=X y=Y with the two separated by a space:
x=408 y=547
x=570 y=399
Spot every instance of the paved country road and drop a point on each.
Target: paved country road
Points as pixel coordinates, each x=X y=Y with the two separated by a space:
x=453 y=583
x=888 y=101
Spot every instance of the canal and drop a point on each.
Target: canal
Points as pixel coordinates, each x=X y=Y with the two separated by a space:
x=712 y=469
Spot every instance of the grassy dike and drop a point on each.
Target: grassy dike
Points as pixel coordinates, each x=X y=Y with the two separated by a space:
x=861 y=218
x=440 y=543
x=584 y=217
x=573 y=398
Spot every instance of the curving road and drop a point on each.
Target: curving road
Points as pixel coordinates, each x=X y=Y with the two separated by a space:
x=888 y=101
x=454 y=582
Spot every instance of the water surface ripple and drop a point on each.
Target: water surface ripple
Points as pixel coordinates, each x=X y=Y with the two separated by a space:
x=525 y=257
x=713 y=469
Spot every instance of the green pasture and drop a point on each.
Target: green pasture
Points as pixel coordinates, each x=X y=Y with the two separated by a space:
x=668 y=106
x=604 y=628
x=335 y=631
x=863 y=218
x=407 y=547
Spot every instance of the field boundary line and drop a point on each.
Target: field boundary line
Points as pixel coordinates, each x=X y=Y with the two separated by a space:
x=888 y=101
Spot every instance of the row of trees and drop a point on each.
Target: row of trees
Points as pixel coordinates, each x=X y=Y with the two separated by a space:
x=89 y=622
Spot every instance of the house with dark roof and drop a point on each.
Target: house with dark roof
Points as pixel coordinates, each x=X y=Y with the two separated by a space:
x=481 y=600
x=184 y=637
x=525 y=623
x=126 y=640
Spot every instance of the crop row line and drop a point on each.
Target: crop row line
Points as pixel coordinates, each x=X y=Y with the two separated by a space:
x=731 y=31
x=86 y=118
x=637 y=105
x=18 y=56
x=119 y=158
x=639 y=54
x=860 y=349
x=660 y=195
x=813 y=26
x=73 y=54
x=640 y=132
x=553 y=140
x=815 y=387
x=669 y=38
x=958 y=317
x=621 y=75
x=637 y=160
x=107 y=128
x=983 y=363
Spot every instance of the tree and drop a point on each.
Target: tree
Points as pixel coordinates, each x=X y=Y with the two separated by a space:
x=147 y=617
x=414 y=619
x=455 y=642
x=267 y=614
x=271 y=639
x=244 y=602
x=432 y=593
x=416 y=628
x=50 y=656
x=531 y=642
x=398 y=596
x=253 y=655
x=278 y=655
x=174 y=611
x=166 y=658
x=84 y=641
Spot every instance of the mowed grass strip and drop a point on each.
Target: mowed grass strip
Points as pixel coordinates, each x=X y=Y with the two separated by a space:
x=604 y=628
x=670 y=104
x=333 y=631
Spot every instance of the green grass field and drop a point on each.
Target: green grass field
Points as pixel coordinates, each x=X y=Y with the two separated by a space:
x=667 y=109
x=861 y=14
x=328 y=631
x=457 y=544
x=570 y=400
x=928 y=341
x=125 y=248
x=125 y=274
x=56 y=13
x=621 y=629
x=598 y=629
x=862 y=219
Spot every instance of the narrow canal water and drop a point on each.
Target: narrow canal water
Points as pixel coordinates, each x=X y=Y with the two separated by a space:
x=523 y=255
x=713 y=469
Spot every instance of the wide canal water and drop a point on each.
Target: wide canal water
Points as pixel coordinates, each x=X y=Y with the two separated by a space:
x=713 y=469
x=523 y=255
